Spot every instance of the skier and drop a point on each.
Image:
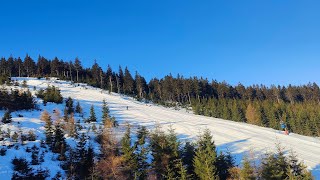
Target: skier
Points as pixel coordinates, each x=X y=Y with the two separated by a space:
x=127 y=107
x=284 y=127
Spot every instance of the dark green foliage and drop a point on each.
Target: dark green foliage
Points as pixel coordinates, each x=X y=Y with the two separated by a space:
x=83 y=159
x=223 y=164
x=247 y=171
x=165 y=151
x=4 y=79
x=48 y=128
x=69 y=105
x=23 y=171
x=129 y=157
x=277 y=166
x=51 y=94
x=141 y=151
x=78 y=108
x=188 y=153
x=59 y=143
x=205 y=157
x=7 y=118
x=92 y=117
x=274 y=166
x=14 y=100
x=105 y=110
x=31 y=136
x=3 y=151
x=35 y=155
x=15 y=137
x=22 y=166
x=128 y=83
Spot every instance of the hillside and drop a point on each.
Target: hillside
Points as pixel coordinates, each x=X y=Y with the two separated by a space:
x=238 y=138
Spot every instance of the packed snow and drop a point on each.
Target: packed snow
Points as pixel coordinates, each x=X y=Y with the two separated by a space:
x=238 y=138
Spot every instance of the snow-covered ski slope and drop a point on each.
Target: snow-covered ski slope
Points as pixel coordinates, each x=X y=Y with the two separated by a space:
x=239 y=138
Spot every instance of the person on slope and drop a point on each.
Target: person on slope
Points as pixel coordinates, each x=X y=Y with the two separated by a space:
x=284 y=127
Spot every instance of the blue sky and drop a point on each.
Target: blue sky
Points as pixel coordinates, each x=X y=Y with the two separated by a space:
x=248 y=41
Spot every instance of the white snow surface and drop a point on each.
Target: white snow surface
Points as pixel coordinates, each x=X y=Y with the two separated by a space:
x=239 y=138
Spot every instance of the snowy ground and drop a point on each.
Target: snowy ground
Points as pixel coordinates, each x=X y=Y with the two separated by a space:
x=238 y=138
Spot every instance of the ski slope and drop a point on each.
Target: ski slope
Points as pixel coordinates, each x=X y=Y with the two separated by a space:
x=238 y=138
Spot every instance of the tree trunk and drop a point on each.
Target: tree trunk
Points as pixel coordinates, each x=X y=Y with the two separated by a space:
x=110 y=81
x=77 y=75
x=189 y=98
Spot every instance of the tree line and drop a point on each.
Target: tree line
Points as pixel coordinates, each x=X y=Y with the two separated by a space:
x=262 y=105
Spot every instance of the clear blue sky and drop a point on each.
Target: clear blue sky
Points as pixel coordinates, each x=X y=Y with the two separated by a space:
x=248 y=41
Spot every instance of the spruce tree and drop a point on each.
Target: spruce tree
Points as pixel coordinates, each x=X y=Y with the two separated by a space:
x=45 y=116
x=92 y=117
x=296 y=169
x=247 y=171
x=142 y=152
x=224 y=163
x=69 y=105
x=84 y=158
x=188 y=153
x=205 y=157
x=274 y=166
x=78 y=108
x=128 y=155
x=7 y=118
x=182 y=170
x=59 y=145
x=105 y=110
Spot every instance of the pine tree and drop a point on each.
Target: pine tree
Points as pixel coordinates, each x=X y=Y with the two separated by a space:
x=7 y=118
x=84 y=158
x=297 y=170
x=15 y=137
x=92 y=117
x=35 y=155
x=224 y=163
x=45 y=116
x=89 y=163
x=69 y=105
x=128 y=82
x=188 y=153
x=105 y=111
x=142 y=152
x=182 y=170
x=59 y=145
x=205 y=157
x=128 y=155
x=274 y=166
x=247 y=171
x=78 y=108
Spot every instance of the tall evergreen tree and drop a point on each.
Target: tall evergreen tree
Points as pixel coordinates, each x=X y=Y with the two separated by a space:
x=45 y=116
x=78 y=108
x=128 y=82
x=92 y=117
x=69 y=105
x=205 y=157
x=105 y=110
x=247 y=171
x=7 y=118
x=129 y=157
x=142 y=152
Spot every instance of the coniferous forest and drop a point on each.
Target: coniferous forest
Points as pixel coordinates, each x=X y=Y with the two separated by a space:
x=99 y=153
x=297 y=106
